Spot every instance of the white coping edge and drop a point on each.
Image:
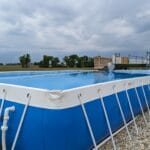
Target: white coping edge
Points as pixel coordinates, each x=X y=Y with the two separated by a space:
x=68 y=98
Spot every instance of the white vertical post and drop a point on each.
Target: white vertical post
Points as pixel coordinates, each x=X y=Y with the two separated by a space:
x=121 y=111
x=21 y=121
x=3 y=100
x=146 y=101
x=88 y=122
x=107 y=119
x=131 y=109
x=141 y=107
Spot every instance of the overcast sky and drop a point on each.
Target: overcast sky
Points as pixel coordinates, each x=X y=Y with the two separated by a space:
x=61 y=27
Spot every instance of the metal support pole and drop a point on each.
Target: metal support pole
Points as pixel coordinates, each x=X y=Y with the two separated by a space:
x=146 y=100
x=139 y=100
x=2 y=103
x=88 y=122
x=107 y=120
x=149 y=87
x=121 y=111
x=131 y=109
x=21 y=121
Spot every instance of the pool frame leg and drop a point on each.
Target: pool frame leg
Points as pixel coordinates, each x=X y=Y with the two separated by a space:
x=122 y=114
x=139 y=100
x=21 y=121
x=146 y=100
x=3 y=101
x=149 y=87
x=131 y=109
x=88 y=122
x=107 y=119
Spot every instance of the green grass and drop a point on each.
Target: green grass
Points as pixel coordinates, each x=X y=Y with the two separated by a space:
x=35 y=68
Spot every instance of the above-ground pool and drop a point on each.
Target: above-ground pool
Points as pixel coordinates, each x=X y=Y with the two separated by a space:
x=69 y=110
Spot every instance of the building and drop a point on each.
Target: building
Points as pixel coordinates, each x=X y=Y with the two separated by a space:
x=101 y=62
x=122 y=62
x=117 y=59
x=137 y=60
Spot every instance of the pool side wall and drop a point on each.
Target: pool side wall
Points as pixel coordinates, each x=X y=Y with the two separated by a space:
x=65 y=128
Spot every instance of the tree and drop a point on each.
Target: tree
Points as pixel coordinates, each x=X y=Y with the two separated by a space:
x=22 y=61
x=44 y=62
x=74 y=60
x=90 y=62
x=49 y=61
x=28 y=60
x=86 y=61
x=25 y=60
x=55 y=61
x=71 y=61
x=66 y=60
x=83 y=61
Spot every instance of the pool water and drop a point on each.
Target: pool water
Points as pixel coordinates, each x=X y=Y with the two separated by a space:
x=60 y=80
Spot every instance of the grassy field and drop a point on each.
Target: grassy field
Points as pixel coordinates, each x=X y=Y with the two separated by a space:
x=35 y=68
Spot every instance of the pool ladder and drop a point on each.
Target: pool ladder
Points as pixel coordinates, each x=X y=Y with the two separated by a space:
x=126 y=124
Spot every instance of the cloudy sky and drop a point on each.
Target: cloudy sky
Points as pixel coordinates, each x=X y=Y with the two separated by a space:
x=61 y=27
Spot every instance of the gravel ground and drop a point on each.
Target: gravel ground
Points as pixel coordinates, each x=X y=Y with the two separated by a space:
x=138 y=142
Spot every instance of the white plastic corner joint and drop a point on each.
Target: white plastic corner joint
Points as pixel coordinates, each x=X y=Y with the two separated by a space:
x=55 y=94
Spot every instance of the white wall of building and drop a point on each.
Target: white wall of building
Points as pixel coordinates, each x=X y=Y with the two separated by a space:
x=116 y=59
x=137 y=61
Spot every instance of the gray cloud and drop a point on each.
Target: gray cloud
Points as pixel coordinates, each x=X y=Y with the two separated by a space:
x=73 y=26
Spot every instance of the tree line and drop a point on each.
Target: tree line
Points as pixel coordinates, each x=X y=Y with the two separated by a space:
x=71 y=61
